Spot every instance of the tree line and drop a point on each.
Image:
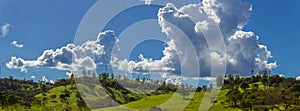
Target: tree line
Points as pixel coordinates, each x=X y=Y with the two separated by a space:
x=262 y=92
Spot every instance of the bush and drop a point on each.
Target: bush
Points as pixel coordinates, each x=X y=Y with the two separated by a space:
x=53 y=96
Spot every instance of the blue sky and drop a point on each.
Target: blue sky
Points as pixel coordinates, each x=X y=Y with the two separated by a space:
x=41 y=25
x=277 y=23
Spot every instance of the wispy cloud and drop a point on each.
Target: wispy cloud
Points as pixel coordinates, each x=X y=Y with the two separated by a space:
x=5 y=29
x=15 y=43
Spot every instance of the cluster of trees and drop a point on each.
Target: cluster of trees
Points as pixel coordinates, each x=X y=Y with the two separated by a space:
x=21 y=94
x=262 y=92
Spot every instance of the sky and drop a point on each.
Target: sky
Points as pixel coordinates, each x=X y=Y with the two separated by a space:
x=29 y=27
x=278 y=26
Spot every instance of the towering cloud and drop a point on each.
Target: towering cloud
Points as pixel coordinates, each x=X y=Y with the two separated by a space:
x=189 y=24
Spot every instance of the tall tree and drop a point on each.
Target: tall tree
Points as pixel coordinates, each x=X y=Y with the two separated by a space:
x=219 y=81
x=184 y=91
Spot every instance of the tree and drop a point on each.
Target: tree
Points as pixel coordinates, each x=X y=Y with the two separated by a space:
x=64 y=98
x=84 y=72
x=94 y=75
x=230 y=81
x=255 y=86
x=252 y=72
x=118 y=76
x=112 y=76
x=104 y=76
x=204 y=88
x=210 y=87
x=230 y=78
x=80 y=102
x=289 y=82
x=244 y=85
x=253 y=79
x=89 y=73
x=275 y=80
x=72 y=79
x=219 y=81
x=199 y=89
x=183 y=91
x=233 y=96
x=237 y=80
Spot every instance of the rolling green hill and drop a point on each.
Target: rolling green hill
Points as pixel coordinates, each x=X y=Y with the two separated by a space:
x=237 y=94
x=164 y=103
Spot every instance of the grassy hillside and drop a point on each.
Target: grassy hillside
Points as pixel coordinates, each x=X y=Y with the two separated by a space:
x=218 y=106
x=166 y=102
x=252 y=93
x=53 y=98
x=176 y=103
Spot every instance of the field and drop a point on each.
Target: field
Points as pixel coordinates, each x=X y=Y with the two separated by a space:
x=166 y=103
x=171 y=102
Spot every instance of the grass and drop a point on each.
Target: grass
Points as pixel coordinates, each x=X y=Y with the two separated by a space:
x=195 y=102
x=167 y=102
x=172 y=102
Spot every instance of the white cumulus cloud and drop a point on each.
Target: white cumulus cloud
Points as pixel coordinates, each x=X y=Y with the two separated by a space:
x=69 y=57
x=243 y=51
x=44 y=79
x=187 y=48
x=5 y=29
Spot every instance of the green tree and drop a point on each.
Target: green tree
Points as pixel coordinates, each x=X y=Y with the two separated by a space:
x=72 y=79
x=80 y=102
x=64 y=98
x=199 y=89
x=204 y=88
x=233 y=97
x=237 y=80
x=244 y=85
